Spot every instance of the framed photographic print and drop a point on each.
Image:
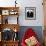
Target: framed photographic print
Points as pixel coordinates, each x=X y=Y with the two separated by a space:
x=30 y=13
x=5 y=12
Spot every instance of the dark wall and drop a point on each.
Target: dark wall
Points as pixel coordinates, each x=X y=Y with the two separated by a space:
x=37 y=29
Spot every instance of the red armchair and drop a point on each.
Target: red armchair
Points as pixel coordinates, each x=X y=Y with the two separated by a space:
x=28 y=34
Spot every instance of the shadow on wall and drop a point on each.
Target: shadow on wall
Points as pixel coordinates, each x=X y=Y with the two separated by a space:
x=37 y=29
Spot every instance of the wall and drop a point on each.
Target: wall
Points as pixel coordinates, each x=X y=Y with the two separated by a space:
x=27 y=3
x=39 y=12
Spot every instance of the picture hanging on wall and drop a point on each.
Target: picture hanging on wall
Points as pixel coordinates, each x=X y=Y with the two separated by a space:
x=30 y=13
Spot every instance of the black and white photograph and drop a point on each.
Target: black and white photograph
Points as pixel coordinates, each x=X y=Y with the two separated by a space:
x=30 y=13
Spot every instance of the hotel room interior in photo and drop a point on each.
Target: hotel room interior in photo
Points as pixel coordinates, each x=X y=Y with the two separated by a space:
x=23 y=23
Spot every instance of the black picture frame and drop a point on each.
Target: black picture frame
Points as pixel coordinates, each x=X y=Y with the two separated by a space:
x=30 y=13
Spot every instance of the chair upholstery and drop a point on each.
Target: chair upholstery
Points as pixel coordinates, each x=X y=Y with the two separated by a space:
x=29 y=33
